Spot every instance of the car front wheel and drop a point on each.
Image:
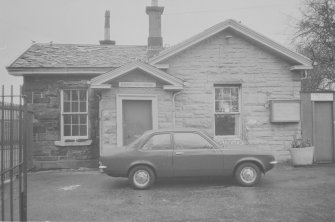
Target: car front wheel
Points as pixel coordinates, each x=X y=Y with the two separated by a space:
x=248 y=174
x=141 y=177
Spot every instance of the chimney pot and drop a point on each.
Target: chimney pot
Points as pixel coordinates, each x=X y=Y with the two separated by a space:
x=107 y=40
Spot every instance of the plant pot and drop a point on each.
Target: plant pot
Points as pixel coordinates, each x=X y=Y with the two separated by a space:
x=302 y=156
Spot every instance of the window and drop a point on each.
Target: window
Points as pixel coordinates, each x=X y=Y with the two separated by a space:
x=158 y=142
x=227 y=110
x=74 y=114
x=190 y=141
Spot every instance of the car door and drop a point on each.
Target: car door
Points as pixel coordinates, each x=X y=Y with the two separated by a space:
x=157 y=151
x=194 y=155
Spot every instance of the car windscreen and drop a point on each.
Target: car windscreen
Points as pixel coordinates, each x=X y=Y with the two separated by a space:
x=136 y=143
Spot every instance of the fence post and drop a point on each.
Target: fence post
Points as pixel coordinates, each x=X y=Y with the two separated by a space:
x=24 y=200
x=2 y=154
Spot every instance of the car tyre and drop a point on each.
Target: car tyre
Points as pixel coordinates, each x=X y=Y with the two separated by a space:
x=248 y=174
x=141 y=177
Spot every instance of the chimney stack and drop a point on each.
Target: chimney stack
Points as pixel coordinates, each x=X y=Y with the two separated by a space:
x=155 y=40
x=107 y=40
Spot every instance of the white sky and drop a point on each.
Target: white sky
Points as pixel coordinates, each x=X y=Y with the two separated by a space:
x=82 y=21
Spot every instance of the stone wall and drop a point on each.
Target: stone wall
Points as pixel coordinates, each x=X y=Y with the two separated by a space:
x=263 y=77
x=46 y=125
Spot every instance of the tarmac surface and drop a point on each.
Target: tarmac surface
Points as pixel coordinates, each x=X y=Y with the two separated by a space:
x=284 y=194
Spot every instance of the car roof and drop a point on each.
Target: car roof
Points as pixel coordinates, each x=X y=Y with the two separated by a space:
x=182 y=129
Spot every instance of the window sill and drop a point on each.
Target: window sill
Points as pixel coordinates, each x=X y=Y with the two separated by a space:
x=73 y=143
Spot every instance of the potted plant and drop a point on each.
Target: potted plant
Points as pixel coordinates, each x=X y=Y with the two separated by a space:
x=302 y=152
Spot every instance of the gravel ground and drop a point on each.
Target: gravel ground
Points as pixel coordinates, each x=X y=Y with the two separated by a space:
x=284 y=194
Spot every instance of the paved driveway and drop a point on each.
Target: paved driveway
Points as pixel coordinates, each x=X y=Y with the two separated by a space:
x=284 y=194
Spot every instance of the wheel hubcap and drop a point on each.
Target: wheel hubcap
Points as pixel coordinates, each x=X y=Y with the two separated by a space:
x=141 y=178
x=248 y=175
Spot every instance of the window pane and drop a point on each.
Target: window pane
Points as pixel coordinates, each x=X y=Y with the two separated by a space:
x=74 y=106
x=67 y=130
x=234 y=92
x=223 y=106
x=235 y=107
x=67 y=107
x=83 y=119
x=82 y=106
x=190 y=141
x=226 y=93
x=226 y=125
x=67 y=119
x=227 y=99
x=75 y=130
x=158 y=142
x=218 y=93
x=83 y=95
x=75 y=96
x=75 y=119
x=83 y=130
x=66 y=95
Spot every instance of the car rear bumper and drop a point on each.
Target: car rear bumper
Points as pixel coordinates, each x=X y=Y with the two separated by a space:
x=102 y=167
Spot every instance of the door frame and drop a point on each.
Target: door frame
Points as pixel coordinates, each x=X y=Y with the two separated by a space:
x=119 y=112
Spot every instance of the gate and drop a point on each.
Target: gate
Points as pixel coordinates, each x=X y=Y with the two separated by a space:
x=15 y=143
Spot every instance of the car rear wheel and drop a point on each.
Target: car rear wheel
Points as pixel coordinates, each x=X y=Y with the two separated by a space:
x=141 y=177
x=248 y=174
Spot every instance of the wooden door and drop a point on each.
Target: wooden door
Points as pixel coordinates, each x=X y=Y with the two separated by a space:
x=324 y=147
x=137 y=118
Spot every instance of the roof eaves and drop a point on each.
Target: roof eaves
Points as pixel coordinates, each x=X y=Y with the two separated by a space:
x=18 y=57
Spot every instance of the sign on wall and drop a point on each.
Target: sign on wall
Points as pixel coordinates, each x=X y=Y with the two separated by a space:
x=322 y=96
x=137 y=84
x=285 y=111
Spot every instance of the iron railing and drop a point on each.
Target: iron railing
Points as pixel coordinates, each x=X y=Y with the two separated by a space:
x=13 y=156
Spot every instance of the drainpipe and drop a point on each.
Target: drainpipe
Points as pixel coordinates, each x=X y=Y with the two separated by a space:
x=100 y=122
x=174 y=94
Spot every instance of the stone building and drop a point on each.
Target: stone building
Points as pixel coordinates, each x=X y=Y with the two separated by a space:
x=229 y=80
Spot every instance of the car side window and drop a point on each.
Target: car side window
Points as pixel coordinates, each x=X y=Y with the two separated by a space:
x=158 y=142
x=191 y=141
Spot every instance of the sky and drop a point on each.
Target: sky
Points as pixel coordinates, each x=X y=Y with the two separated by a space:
x=23 y=22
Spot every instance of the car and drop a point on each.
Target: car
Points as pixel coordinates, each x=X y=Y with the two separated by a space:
x=171 y=153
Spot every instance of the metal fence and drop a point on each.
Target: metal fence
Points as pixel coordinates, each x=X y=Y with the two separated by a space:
x=14 y=145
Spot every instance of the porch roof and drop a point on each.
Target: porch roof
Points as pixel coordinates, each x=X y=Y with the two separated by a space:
x=174 y=82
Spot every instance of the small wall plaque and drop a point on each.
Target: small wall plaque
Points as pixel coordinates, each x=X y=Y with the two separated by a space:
x=137 y=84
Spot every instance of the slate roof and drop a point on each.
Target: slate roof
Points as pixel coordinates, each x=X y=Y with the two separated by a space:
x=78 y=55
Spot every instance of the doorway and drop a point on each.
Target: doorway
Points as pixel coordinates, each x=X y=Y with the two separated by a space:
x=137 y=118
x=323 y=135
x=135 y=114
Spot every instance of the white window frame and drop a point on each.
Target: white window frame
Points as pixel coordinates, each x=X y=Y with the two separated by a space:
x=63 y=137
x=239 y=87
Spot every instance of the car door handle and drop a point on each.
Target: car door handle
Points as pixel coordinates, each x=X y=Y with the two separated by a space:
x=179 y=153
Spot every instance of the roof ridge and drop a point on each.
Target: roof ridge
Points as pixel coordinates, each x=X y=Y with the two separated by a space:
x=84 y=44
x=237 y=26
